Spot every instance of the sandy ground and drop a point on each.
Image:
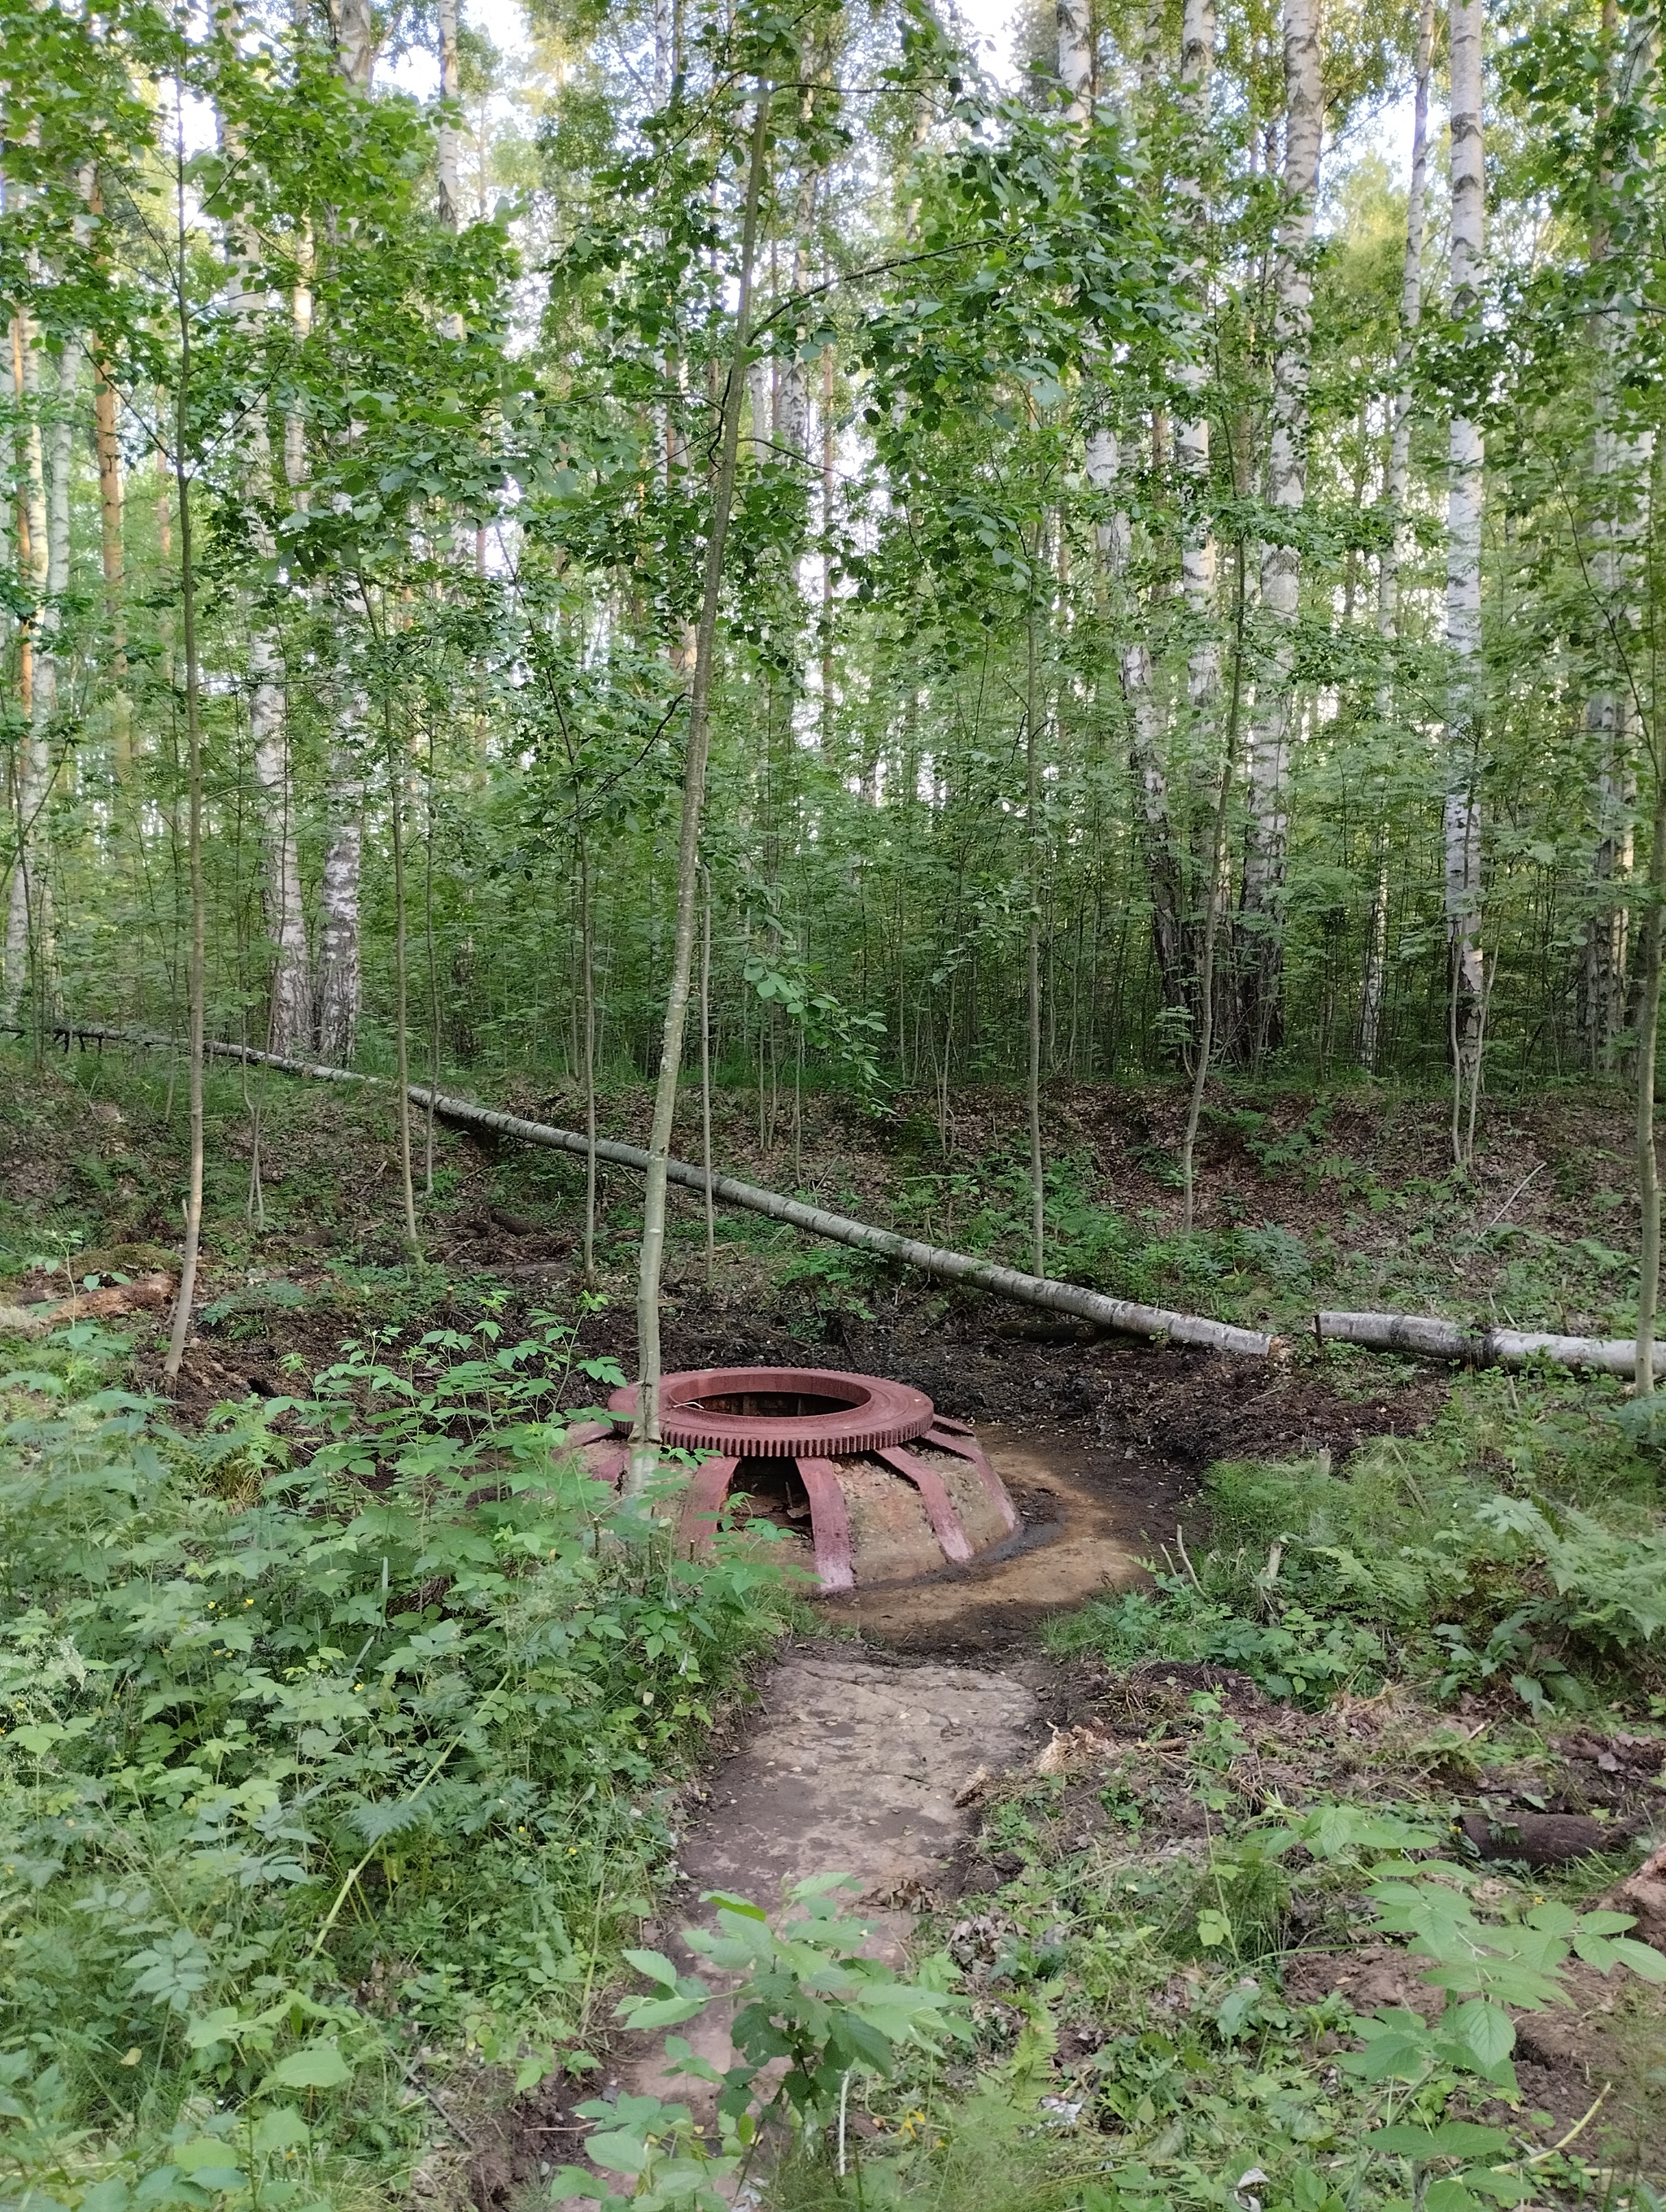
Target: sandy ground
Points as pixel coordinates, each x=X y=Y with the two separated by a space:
x=1075 y=1542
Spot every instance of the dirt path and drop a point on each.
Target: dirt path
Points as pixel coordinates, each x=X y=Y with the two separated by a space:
x=855 y=1759
x=852 y=1767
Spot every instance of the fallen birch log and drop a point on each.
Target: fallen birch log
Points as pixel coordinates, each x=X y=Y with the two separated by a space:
x=148 y=1290
x=1124 y=1315
x=1429 y=1339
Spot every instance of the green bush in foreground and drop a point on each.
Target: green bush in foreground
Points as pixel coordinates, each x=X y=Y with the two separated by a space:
x=330 y=1746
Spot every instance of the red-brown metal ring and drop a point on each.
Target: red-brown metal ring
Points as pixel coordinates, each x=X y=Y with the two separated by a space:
x=867 y=1413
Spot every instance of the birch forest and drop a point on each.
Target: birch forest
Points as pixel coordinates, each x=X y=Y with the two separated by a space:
x=1151 y=564
x=756 y=689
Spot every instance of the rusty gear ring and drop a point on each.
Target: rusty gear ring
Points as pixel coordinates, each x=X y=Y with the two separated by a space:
x=874 y=1414
x=872 y=1420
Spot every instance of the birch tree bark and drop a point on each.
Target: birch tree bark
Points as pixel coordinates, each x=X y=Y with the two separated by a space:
x=1165 y=877
x=1075 y=25
x=290 y=988
x=43 y=532
x=446 y=142
x=1461 y=821
x=107 y=447
x=1198 y=555
x=357 y=36
x=1397 y=546
x=1622 y=456
x=1114 y=541
x=1260 y=1010
x=339 y=981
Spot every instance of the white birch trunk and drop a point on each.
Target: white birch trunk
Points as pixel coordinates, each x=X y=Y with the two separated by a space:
x=44 y=560
x=290 y=1008
x=357 y=36
x=446 y=142
x=1261 y=952
x=1199 y=559
x=291 y=1014
x=1622 y=465
x=1462 y=824
x=338 y=994
x=339 y=981
x=1075 y=22
x=760 y=393
x=1145 y=728
x=1398 y=547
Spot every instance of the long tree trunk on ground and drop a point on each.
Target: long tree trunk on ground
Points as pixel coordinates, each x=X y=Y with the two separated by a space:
x=1122 y=1313
x=1462 y=823
x=1397 y=543
x=197 y=967
x=645 y=1434
x=1260 y=960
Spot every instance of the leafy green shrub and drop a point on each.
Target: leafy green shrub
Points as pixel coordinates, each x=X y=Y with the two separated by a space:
x=388 y=1712
x=1295 y=1655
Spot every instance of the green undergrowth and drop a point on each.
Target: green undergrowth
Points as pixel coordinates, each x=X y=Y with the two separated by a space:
x=1126 y=2027
x=1376 y=1248
x=1141 y=2036
x=1515 y=1550
x=327 y=1179
x=337 y=1752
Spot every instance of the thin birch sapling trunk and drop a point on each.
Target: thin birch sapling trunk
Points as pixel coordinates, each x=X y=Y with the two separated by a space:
x=706 y=1075
x=106 y=443
x=1648 y=1046
x=197 y=969
x=1462 y=823
x=433 y=971
x=645 y=1435
x=587 y=954
x=1261 y=951
x=1032 y=802
x=1621 y=458
x=396 y=783
x=1397 y=546
x=1198 y=553
x=37 y=671
x=1205 y=975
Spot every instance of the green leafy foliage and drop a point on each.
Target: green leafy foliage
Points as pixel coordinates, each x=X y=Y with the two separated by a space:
x=811 y=2011
x=393 y=1696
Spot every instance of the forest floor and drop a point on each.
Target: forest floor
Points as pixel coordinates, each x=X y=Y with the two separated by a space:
x=1416 y=1595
